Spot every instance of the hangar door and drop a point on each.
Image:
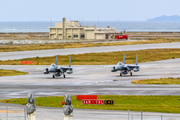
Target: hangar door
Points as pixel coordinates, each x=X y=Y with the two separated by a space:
x=100 y=36
x=90 y=35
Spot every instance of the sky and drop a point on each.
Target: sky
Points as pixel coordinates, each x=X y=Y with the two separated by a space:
x=86 y=10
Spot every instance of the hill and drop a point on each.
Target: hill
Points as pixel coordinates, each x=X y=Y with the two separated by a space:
x=164 y=18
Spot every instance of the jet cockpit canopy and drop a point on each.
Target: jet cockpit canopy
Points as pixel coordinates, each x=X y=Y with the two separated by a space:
x=53 y=65
x=120 y=63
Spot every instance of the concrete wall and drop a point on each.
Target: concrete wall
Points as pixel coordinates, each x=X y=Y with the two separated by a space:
x=45 y=35
x=153 y=35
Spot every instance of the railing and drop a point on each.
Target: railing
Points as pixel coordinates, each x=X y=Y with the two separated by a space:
x=18 y=112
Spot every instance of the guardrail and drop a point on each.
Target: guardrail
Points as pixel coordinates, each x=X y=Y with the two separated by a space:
x=12 y=112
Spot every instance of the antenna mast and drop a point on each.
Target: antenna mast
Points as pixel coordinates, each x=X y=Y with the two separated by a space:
x=82 y=20
x=51 y=20
x=98 y=20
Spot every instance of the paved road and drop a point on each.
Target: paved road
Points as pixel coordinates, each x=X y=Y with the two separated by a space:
x=43 y=53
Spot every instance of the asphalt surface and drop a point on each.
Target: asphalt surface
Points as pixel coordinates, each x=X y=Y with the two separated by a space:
x=89 y=79
x=46 y=53
x=92 y=79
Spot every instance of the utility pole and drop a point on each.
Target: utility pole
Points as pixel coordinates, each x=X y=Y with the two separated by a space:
x=24 y=113
x=6 y=112
x=132 y=116
x=141 y=115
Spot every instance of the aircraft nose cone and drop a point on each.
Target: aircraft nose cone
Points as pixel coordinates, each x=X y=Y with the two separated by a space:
x=114 y=68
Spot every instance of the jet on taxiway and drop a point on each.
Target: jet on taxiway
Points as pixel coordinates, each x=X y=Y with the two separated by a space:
x=124 y=68
x=58 y=71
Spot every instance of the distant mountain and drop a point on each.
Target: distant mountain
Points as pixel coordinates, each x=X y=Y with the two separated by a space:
x=164 y=18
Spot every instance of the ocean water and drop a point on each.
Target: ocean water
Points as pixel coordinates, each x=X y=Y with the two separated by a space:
x=43 y=26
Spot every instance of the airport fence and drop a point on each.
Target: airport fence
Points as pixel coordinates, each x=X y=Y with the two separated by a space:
x=19 y=113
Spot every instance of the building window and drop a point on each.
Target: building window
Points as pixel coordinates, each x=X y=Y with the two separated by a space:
x=75 y=36
x=82 y=36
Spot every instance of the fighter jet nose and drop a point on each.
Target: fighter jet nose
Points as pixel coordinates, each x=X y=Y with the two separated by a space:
x=114 y=67
x=47 y=71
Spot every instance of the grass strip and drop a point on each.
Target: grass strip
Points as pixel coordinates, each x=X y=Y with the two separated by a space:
x=11 y=73
x=169 y=80
x=8 y=48
x=167 y=104
x=104 y=58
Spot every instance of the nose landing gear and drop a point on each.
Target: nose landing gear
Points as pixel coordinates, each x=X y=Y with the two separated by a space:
x=58 y=75
x=126 y=73
x=120 y=74
x=53 y=76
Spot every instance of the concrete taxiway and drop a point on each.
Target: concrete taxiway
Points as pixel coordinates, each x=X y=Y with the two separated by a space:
x=92 y=79
x=86 y=79
x=45 y=53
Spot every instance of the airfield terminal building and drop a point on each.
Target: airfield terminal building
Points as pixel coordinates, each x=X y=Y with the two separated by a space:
x=72 y=30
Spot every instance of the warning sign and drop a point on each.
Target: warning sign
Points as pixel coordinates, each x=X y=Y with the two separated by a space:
x=109 y=102
x=95 y=102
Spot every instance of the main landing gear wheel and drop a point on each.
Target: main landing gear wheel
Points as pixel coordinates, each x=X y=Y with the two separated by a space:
x=131 y=73
x=64 y=76
x=120 y=74
x=53 y=76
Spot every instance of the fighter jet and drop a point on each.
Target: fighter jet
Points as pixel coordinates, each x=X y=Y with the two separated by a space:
x=124 y=68
x=58 y=71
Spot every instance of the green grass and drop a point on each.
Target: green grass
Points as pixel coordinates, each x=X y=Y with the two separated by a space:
x=11 y=73
x=167 y=104
x=8 y=48
x=168 y=80
x=104 y=58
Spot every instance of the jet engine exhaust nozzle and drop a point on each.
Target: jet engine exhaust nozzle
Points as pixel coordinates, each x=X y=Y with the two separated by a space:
x=136 y=70
x=69 y=72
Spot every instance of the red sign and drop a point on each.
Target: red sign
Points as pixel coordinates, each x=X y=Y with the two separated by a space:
x=26 y=62
x=80 y=97
x=95 y=102
x=63 y=103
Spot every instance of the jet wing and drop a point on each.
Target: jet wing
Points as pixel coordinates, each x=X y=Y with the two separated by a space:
x=64 y=69
x=130 y=67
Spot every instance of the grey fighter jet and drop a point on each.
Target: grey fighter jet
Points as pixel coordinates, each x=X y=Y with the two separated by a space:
x=125 y=68
x=58 y=71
